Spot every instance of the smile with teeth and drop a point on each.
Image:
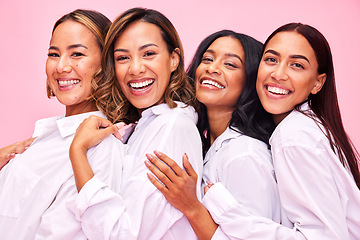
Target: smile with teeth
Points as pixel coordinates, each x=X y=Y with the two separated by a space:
x=276 y=90
x=63 y=83
x=138 y=86
x=212 y=83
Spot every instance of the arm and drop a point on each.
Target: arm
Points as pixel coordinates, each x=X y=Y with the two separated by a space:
x=140 y=211
x=308 y=195
x=58 y=222
x=180 y=191
x=90 y=133
x=8 y=153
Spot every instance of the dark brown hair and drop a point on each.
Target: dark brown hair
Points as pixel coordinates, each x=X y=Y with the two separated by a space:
x=325 y=103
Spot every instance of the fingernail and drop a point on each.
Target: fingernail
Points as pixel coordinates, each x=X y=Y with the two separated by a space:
x=148 y=156
x=149 y=176
x=157 y=153
x=12 y=154
x=120 y=124
x=147 y=163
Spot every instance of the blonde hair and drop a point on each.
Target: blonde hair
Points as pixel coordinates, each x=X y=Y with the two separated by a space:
x=109 y=97
x=96 y=22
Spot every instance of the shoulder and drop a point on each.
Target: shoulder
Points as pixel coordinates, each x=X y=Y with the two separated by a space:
x=246 y=149
x=297 y=129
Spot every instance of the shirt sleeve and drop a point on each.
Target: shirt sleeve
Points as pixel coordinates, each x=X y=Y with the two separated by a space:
x=140 y=211
x=250 y=177
x=58 y=222
x=308 y=195
x=236 y=222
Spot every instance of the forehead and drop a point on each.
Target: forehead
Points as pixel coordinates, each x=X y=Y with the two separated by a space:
x=140 y=32
x=226 y=45
x=291 y=43
x=71 y=32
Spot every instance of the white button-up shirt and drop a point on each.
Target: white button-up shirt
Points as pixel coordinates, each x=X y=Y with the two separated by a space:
x=37 y=185
x=318 y=193
x=140 y=211
x=244 y=166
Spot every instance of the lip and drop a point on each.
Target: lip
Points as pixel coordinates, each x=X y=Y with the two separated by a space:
x=210 y=83
x=140 y=86
x=276 y=91
x=66 y=84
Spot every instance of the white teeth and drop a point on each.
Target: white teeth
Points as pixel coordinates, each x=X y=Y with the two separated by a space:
x=212 y=83
x=141 y=84
x=276 y=90
x=68 y=82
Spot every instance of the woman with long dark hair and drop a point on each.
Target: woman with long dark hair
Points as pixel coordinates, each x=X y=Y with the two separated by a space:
x=315 y=163
x=235 y=131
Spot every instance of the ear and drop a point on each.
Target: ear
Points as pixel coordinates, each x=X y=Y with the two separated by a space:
x=174 y=59
x=320 y=80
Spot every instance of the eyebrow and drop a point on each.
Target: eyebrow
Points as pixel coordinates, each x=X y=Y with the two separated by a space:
x=296 y=56
x=140 y=48
x=69 y=47
x=227 y=54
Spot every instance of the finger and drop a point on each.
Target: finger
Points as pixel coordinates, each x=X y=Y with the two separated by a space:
x=188 y=167
x=157 y=184
x=120 y=132
x=112 y=129
x=103 y=123
x=165 y=169
x=29 y=141
x=171 y=163
x=209 y=183
x=206 y=188
x=158 y=173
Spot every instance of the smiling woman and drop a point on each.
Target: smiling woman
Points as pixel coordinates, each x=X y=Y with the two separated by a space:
x=37 y=185
x=73 y=59
x=144 y=81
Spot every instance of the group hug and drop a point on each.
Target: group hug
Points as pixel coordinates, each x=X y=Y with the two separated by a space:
x=247 y=142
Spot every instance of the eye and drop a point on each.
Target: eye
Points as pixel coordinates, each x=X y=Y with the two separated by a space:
x=298 y=65
x=121 y=58
x=53 y=55
x=149 y=53
x=77 y=54
x=231 y=65
x=206 y=59
x=270 y=59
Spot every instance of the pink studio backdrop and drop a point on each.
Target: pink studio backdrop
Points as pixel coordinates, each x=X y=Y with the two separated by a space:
x=26 y=29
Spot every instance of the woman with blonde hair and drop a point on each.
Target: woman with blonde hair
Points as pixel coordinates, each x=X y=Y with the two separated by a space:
x=37 y=185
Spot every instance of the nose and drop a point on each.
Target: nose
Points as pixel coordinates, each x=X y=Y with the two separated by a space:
x=213 y=67
x=63 y=65
x=280 y=72
x=136 y=66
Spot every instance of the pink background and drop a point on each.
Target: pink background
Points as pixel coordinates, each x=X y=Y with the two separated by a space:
x=26 y=29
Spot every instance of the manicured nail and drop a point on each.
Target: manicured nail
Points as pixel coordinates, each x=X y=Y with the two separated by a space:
x=149 y=176
x=147 y=163
x=157 y=153
x=148 y=156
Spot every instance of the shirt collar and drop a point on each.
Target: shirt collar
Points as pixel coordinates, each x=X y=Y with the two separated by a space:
x=66 y=125
x=164 y=108
x=224 y=137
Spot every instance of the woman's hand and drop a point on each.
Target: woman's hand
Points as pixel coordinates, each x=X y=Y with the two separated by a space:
x=180 y=191
x=8 y=153
x=90 y=133
x=180 y=186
